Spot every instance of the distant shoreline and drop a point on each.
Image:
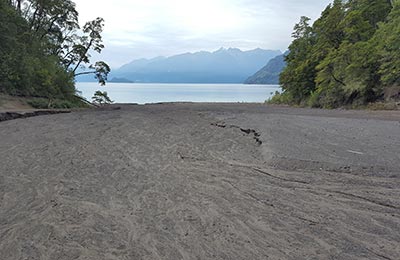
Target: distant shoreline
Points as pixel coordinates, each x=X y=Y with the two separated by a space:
x=178 y=83
x=143 y=93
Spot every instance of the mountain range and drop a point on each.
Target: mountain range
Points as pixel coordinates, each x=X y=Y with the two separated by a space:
x=269 y=74
x=222 y=66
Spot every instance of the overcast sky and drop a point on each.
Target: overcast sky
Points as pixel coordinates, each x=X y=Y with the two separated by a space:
x=148 y=28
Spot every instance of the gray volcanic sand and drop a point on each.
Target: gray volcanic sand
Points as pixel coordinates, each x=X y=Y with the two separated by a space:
x=201 y=181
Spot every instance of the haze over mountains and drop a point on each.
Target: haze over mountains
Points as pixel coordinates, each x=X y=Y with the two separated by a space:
x=222 y=66
x=269 y=74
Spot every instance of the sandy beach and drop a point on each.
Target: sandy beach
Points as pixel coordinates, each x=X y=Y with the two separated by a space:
x=201 y=181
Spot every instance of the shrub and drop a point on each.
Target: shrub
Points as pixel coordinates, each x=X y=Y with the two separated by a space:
x=101 y=98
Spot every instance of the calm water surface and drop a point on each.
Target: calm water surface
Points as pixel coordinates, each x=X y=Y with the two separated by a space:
x=154 y=93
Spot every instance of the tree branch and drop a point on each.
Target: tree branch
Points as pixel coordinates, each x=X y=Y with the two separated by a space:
x=82 y=57
x=84 y=73
x=337 y=80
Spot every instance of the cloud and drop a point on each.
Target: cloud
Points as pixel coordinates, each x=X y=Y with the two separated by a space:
x=144 y=29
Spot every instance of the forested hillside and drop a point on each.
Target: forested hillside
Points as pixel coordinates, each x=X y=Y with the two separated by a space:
x=269 y=74
x=349 y=56
x=42 y=47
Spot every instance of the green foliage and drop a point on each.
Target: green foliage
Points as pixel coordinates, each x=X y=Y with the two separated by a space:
x=387 y=40
x=281 y=98
x=349 y=56
x=78 y=53
x=43 y=103
x=101 y=98
x=41 y=49
x=298 y=77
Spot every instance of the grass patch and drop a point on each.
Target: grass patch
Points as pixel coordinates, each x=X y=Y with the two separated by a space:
x=44 y=103
x=8 y=102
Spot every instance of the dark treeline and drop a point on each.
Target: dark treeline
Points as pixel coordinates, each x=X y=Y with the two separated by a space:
x=349 y=56
x=42 y=48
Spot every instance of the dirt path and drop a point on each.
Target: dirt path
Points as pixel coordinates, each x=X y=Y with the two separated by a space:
x=201 y=181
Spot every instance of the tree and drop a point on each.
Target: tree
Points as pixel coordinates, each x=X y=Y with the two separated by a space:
x=100 y=69
x=101 y=98
x=387 y=40
x=297 y=79
x=57 y=22
x=41 y=48
x=330 y=35
x=79 y=53
x=360 y=72
x=348 y=56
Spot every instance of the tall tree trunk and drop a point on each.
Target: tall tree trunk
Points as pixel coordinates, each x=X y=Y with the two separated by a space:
x=81 y=59
x=19 y=2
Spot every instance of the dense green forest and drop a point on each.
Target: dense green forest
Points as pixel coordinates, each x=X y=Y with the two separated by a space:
x=350 y=56
x=42 y=49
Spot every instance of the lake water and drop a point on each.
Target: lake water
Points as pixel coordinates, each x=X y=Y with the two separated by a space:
x=155 y=93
